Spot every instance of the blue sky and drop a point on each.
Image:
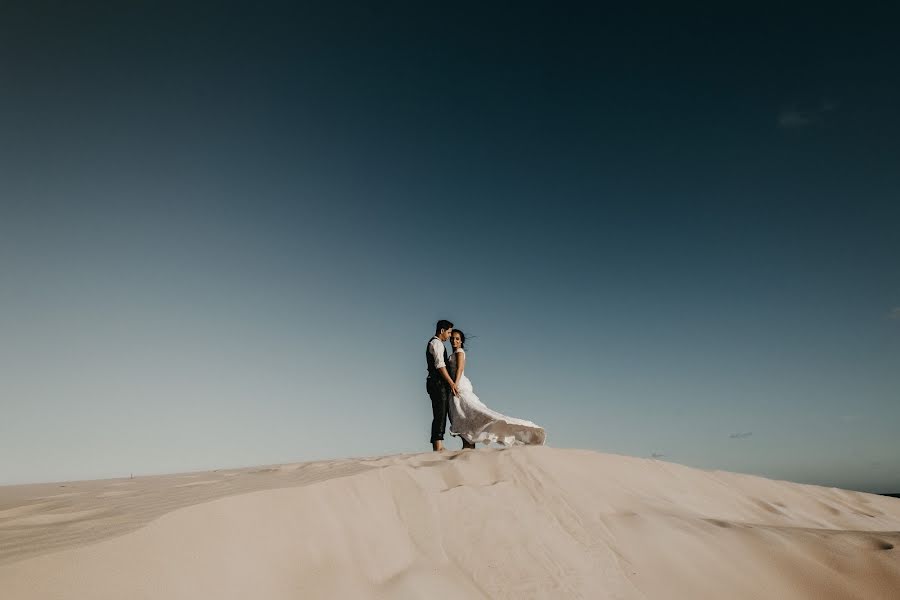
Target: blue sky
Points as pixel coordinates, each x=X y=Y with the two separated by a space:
x=225 y=236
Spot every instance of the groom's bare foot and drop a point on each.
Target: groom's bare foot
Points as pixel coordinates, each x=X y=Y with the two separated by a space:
x=438 y=446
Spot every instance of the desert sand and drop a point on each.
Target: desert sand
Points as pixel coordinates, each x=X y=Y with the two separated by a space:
x=526 y=522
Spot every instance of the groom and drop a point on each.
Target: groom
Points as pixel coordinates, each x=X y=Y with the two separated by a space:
x=439 y=385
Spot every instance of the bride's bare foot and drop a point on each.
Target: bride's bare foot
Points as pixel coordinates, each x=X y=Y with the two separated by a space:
x=468 y=445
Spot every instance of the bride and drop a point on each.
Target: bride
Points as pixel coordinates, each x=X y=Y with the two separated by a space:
x=474 y=422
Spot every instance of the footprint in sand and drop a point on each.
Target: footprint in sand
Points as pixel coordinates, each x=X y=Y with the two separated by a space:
x=767 y=507
x=831 y=509
x=720 y=523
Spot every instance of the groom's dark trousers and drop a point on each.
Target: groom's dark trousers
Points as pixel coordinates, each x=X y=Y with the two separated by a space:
x=439 y=392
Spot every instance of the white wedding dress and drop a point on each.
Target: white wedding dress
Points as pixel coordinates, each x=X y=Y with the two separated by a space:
x=471 y=420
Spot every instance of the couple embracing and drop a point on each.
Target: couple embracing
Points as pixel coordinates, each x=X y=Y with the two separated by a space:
x=452 y=397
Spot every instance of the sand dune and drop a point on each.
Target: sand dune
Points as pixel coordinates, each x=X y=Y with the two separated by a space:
x=531 y=522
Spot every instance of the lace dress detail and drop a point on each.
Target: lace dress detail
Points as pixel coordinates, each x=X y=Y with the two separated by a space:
x=471 y=420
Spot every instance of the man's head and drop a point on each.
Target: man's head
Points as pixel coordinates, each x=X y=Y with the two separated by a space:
x=442 y=329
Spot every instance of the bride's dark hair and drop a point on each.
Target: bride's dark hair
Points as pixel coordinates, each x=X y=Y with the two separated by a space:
x=462 y=338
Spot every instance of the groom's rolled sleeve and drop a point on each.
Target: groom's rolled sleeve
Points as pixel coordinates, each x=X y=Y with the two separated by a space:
x=437 y=351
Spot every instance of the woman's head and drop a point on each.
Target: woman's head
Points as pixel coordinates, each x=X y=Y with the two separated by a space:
x=458 y=339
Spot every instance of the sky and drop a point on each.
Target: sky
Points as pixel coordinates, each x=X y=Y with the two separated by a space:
x=227 y=231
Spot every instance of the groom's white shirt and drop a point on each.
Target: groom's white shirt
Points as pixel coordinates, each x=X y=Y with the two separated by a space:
x=436 y=347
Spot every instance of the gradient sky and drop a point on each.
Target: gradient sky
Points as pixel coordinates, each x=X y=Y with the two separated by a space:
x=227 y=230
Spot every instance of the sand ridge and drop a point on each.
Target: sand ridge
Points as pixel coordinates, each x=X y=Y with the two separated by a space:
x=530 y=522
x=32 y=516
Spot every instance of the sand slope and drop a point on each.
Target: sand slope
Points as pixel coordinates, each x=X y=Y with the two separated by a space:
x=520 y=523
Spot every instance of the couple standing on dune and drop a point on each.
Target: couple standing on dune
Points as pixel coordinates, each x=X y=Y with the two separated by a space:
x=452 y=396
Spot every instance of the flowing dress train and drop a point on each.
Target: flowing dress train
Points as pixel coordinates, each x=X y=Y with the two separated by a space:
x=473 y=421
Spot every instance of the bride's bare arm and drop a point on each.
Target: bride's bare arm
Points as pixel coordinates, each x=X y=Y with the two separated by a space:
x=460 y=366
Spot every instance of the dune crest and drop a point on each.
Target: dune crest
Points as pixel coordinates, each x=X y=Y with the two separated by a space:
x=528 y=522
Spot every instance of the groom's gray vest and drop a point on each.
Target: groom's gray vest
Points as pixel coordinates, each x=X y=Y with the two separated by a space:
x=429 y=362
